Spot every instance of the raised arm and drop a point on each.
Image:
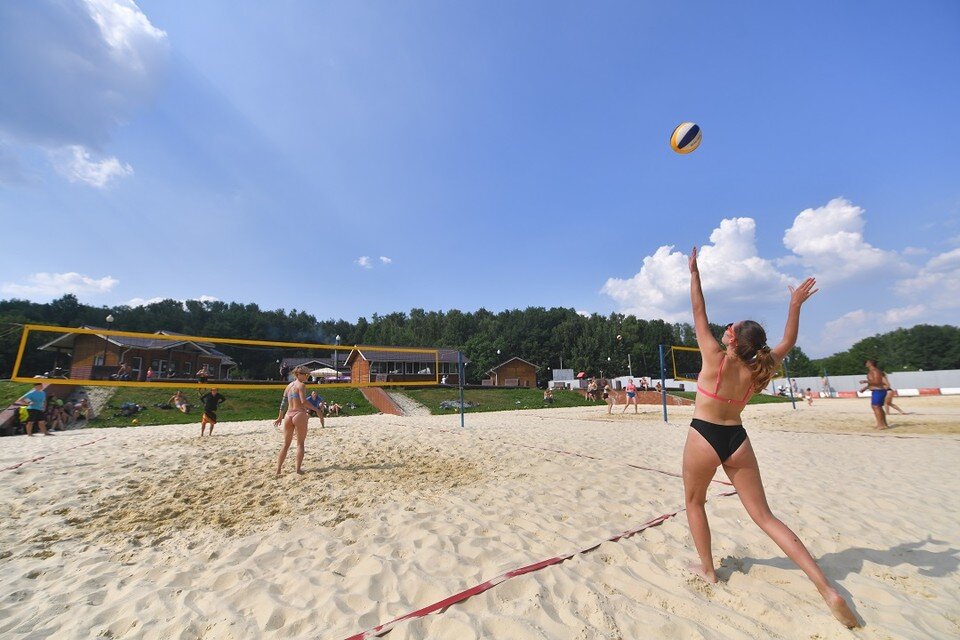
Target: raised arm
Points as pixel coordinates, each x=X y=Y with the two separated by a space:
x=798 y=296
x=705 y=340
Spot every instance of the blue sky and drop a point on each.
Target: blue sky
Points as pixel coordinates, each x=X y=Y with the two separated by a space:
x=353 y=158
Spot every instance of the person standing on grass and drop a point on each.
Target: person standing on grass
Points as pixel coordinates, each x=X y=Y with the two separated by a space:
x=730 y=374
x=211 y=401
x=316 y=405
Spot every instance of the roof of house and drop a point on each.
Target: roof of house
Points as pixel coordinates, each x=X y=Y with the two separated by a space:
x=383 y=354
x=158 y=344
x=320 y=362
x=506 y=362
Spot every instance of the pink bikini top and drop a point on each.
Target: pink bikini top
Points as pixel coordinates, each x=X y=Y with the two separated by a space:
x=715 y=394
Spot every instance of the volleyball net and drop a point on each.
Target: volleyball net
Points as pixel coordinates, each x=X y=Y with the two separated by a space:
x=685 y=362
x=105 y=357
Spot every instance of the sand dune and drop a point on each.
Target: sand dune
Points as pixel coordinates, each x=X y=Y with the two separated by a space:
x=155 y=533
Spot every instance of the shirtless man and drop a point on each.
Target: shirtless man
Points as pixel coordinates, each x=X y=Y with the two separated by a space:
x=878 y=392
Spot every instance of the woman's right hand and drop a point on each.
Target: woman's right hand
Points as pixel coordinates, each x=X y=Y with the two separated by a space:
x=693 y=261
x=802 y=293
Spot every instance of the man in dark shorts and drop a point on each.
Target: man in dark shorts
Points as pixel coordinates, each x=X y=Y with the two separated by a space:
x=878 y=392
x=35 y=400
x=316 y=406
x=211 y=400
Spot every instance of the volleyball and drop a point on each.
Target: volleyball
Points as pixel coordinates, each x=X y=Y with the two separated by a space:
x=686 y=137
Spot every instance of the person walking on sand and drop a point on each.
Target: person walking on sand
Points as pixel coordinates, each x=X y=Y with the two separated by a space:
x=728 y=377
x=631 y=396
x=294 y=416
x=878 y=392
x=211 y=401
x=888 y=400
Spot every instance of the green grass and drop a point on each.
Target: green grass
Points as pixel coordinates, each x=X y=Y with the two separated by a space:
x=757 y=399
x=241 y=404
x=494 y=399
x=10 y=391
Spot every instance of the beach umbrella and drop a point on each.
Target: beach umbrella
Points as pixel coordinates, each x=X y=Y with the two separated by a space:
x=325 y=371
x=581 y=374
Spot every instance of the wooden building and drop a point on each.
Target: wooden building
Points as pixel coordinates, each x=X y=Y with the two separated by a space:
x=382 y=364
x=97 y=357
x=515 y=372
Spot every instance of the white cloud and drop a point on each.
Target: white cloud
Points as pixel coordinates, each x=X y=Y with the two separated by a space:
x=731 y=272
x=840 y=334
x=364 y=261
x=937 y=284
x=385 y=260
x=75 y=163
x=829 y=241
x=72 y=73
x=53 y=285
x=143 y=302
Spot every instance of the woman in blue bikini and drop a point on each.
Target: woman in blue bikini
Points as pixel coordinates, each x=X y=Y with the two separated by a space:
x=728 y=377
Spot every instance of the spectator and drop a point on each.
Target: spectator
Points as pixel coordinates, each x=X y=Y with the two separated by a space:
x=285 y=372
x=809 y=396
x=149 y=374
x=83 y=409
x=548 y=396
x=592 y=390
x=179 y=402
x=333 y=409
x=123 y=373
x=35 y=400
x=202 y=375
x=315 y=400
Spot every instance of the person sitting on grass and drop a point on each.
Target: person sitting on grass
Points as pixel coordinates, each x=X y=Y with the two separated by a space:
x=316 y=406
x=548 y=396
x=179 y=402
x=333 y=409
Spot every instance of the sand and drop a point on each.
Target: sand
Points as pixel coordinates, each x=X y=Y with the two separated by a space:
x=152 y=532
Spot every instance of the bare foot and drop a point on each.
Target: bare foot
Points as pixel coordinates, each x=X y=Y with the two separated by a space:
x=841 y=611
x=300 y=472
x=706 y=576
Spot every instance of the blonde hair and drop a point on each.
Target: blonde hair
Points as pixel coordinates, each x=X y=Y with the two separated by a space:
x=753 y=350
x=305 y=370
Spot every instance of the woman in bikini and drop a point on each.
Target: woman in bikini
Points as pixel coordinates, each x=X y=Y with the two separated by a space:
x=294 y=416
x=728 y=377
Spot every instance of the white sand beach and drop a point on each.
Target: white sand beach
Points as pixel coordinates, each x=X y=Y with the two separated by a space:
x=153 y=532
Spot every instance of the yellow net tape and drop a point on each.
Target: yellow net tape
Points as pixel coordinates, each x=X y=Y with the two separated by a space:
x=96 y=356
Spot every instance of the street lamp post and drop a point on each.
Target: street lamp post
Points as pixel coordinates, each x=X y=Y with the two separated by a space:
x=335 y=369
x=106 y=341
x=496 y=374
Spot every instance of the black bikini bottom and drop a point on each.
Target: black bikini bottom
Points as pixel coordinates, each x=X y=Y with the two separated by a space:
x=725 y=439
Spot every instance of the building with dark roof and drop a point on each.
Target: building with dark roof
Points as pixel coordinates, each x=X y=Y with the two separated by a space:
x=99 y=356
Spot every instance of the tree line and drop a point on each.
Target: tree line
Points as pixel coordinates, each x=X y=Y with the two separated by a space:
x=548 y=338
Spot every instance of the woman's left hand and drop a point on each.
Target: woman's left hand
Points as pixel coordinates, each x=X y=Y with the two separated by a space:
x=693 y=261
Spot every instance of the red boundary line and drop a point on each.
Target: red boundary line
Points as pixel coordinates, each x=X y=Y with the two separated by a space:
x=39 y=458
x=386 y=627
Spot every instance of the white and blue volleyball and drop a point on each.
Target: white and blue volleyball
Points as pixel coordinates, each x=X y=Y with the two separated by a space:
x=686 y=137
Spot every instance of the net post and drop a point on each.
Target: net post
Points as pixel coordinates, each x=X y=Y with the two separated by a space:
x=20 y=350
x=663 y=382
x=786 y=373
